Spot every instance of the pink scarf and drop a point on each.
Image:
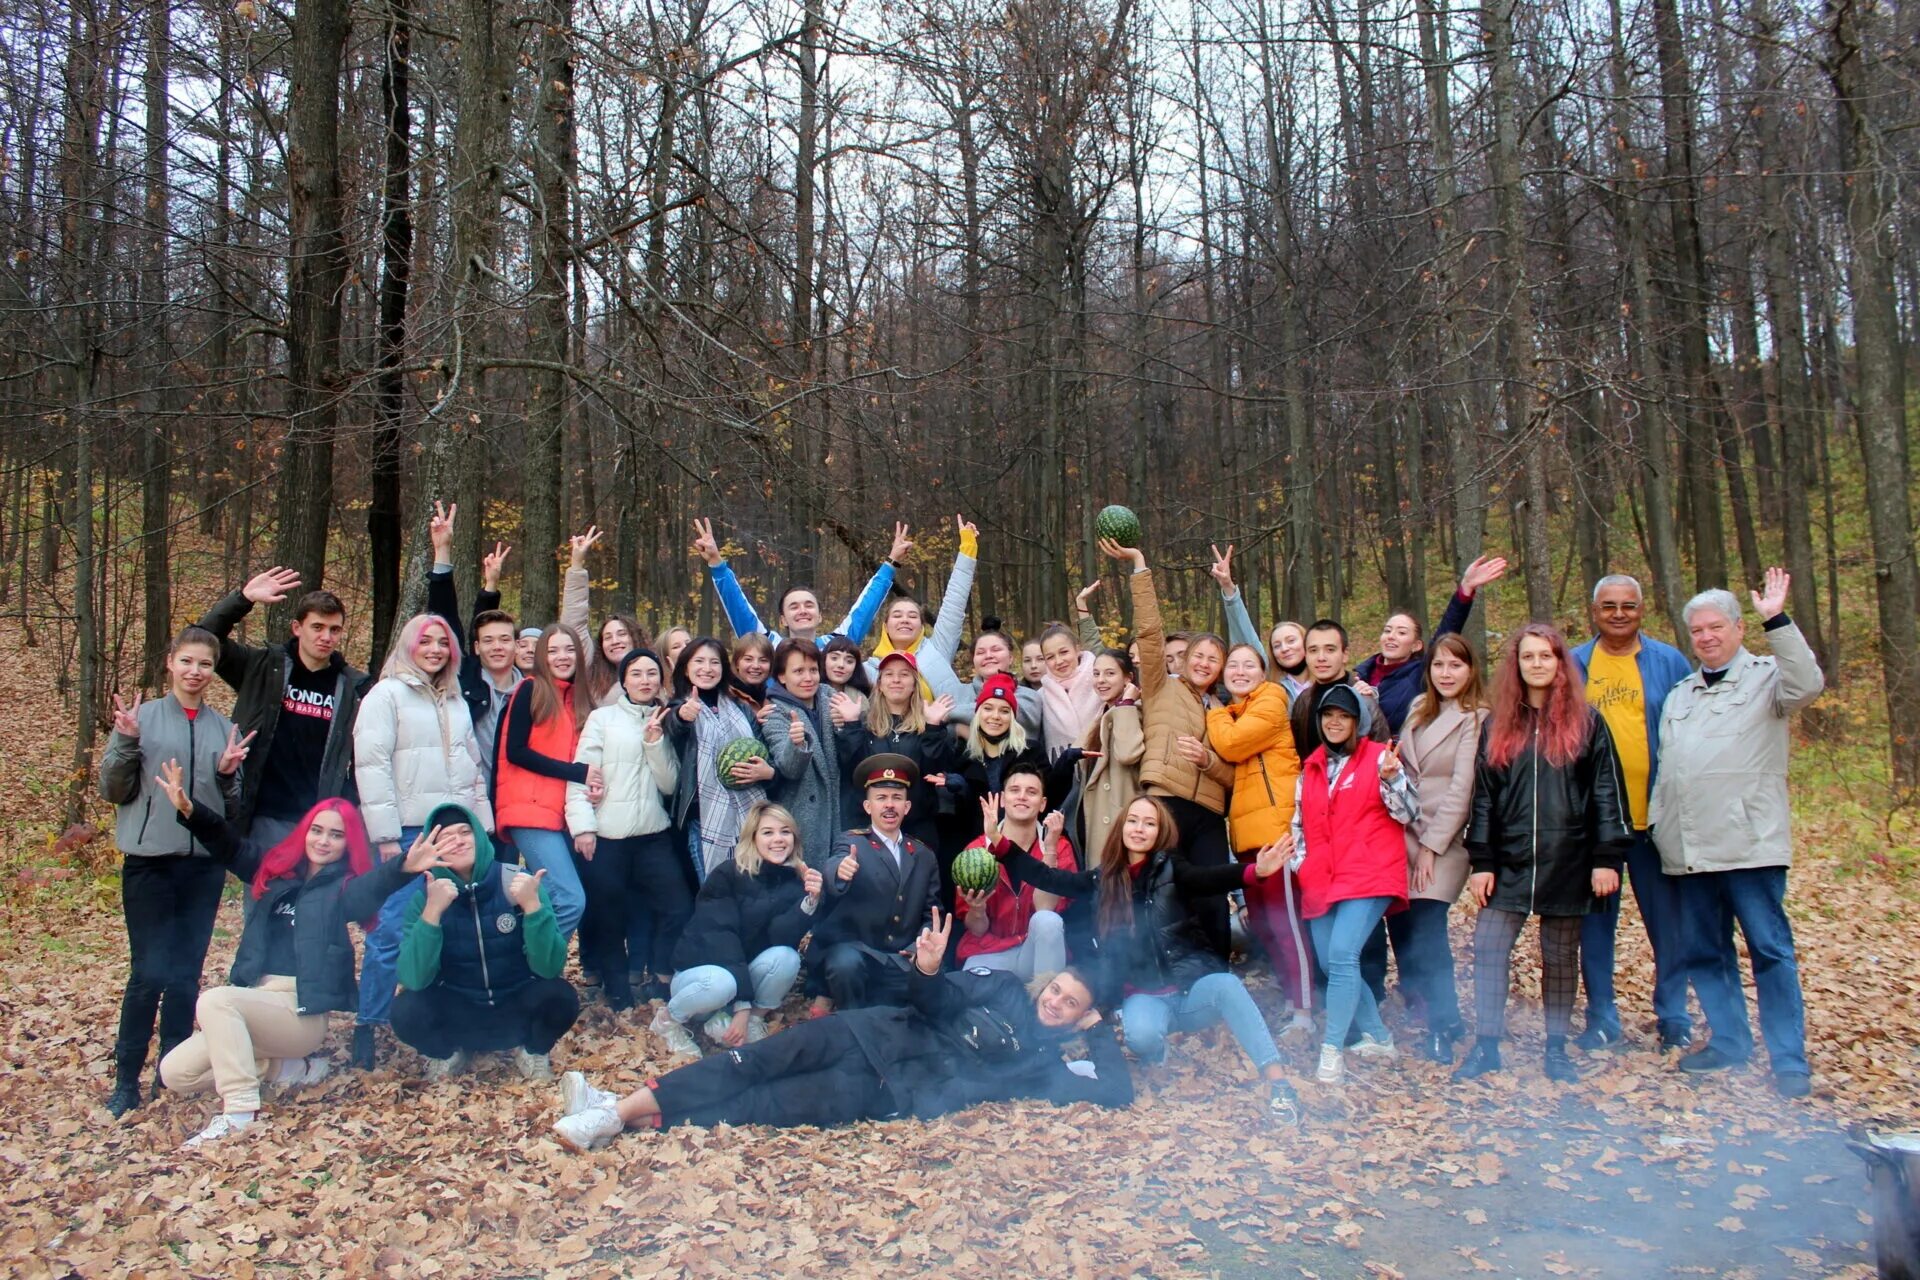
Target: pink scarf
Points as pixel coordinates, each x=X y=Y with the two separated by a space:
x=1071 y=708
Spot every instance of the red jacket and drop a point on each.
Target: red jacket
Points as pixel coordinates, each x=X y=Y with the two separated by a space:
x=1355 y=848
x=1007 y=911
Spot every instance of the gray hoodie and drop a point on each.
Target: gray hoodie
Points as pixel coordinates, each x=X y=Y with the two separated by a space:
x=145 y=826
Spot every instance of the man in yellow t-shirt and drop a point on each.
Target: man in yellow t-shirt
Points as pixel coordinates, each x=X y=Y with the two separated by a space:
x=1628 y=675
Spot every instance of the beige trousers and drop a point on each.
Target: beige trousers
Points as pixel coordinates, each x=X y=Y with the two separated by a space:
x=244 y=1033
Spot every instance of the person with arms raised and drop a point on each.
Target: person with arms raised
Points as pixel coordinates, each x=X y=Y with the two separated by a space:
x=904 y=625
x=488 y=672
x=800 y=615
x=295 y=701
x=481 y=958
x=294 y=963
x=1720 y=815
x=169 y=882
x=1285 y=650
x=956 y=1040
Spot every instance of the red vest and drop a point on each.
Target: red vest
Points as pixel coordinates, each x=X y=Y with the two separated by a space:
x=1355 y=848
x=521 y=797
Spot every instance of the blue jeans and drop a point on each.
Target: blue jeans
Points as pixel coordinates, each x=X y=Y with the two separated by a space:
x=1338 y=937
x=379 y=967
x=1218 y=997
x=1710 y=901
x=1658 y=895
x=695 y=854
x=552 y=852
x=708 y=988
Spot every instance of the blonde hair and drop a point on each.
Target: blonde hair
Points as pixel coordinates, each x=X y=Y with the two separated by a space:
x=746 y=850
x=880 y=720
x=1012 y=745
x=401 y=664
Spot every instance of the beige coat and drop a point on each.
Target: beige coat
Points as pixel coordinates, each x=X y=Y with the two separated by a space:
x=1719 y=801
x=1169 y=708
x=1440 y=755
x=1109 y=784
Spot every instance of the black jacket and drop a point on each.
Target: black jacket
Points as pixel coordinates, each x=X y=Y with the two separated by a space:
x=444 y=600
x=1541 y=830
x=1167 y=946
x=326 y=902
x=737 y=916
x=933 y=750
x=970 y=780
x=258 y=677
x=883 y=905
x=929 y=1069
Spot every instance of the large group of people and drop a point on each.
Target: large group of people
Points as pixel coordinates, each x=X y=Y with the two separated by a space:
x=849 y=881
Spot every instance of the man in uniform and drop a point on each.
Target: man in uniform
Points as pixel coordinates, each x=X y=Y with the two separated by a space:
x=887 y=884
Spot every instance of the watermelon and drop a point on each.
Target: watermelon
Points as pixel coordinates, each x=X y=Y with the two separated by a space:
x=975 y=870
x=1118 y=523
x=739 y=751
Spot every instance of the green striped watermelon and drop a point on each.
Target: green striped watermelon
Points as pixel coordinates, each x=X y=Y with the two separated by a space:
x=739 y=751
x=1118 y=523
x=975 y=869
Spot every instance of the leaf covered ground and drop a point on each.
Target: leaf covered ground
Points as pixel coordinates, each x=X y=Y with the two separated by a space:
x=1399 y=1173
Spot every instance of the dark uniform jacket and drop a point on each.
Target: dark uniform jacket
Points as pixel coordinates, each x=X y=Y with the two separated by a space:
x=883 y=906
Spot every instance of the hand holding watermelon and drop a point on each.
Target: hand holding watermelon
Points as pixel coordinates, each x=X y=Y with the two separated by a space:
x=1131 y=554
x=741 y=763
x=975 y=870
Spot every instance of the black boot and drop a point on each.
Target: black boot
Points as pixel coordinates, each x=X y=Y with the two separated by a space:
x=1437 y=1046
x=1559 y=1066
x=125 y=1097
x=1482 y=1058
x=365 y=1051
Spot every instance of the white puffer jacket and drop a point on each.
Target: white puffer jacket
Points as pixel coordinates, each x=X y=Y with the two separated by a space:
x=413 y=752
x=640 y=775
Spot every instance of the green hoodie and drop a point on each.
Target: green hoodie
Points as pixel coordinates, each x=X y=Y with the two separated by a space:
x=542 y=942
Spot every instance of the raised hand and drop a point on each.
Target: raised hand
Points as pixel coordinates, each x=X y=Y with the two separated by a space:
x=126 y=716
x=491 y=564
x=656 y=725
x=234 y=752
x=1133 y=555
x=812 y=882
x=704 y=544
x=843 y=708
x=1222 y=568
x=1085 y=594
x=689 y=710
x=966 y=526
x=425 y=853
x=585 y=843
x=441 y=894
x=581 y=543
x=849 y=867
x=930 y=948
x=440 y=531
x=1390 y=763
x=1484 y=570
x=1050 y=832
x=271 y=586
x=939 y=709
x=172 y=779
x=524 y=890
x=990 y=816
x=901 y=543
x=1771 y=600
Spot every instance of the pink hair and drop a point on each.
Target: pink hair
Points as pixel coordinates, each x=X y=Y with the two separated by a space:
x=1563 y=732
x=287 y=857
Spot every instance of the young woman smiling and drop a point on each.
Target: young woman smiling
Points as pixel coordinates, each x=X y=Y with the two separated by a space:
x=899 y=720
x=538 y=737
x=710 y=709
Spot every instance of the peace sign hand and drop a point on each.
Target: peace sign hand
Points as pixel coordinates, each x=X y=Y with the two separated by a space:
x=581 y=543
x=234 y=752
x=126 y=716
x=930 y=948
x=1222 y=568
x=1390 y=764
x=901 y=542
x=656 y=725
x=491 y=564
x=704 y=544
x=440 y=530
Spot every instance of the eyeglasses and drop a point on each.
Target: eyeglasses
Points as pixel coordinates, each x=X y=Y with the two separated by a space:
x=1632 y=607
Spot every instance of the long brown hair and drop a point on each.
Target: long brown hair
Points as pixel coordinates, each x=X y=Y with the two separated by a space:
x=547 y=695
x=1115 y=911
x=1427 y=705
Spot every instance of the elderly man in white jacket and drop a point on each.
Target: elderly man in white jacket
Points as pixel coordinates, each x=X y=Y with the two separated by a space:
x=1719 y=816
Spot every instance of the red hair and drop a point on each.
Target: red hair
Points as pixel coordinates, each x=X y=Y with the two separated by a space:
x=1563 y=731
x=287 y=857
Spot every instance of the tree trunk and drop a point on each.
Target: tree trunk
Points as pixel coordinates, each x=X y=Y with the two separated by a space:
x=385 y=536
x=548 y=319
x=155 y=487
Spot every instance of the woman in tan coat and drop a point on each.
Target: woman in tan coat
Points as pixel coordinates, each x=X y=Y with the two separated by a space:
x=1437 y=745
x=1180 y=766
x=1109 y=756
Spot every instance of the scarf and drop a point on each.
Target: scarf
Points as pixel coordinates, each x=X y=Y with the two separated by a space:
x=723 y=810
x=1069 y=708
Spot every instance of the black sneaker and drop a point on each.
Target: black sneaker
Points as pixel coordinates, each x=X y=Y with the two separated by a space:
x=1711 y=1058
x=1484 y=1057
x=1558 y=1065
x=1283 y=1104
x=365 y=1050
x=1437 y=1046
x=1676 y=1035
x=125 y=1097
x=1596 y=1038
x=1793 y=1084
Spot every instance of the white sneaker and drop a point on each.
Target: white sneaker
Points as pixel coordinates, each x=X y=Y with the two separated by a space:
x=678 y=1039
x=576 y=1095
x=1301 y=1023
x=586 y=1130
x=756 y=1028
x=1369 y=1047
x=221 y=1126
x=1331 y=1068
x=295 y=1072
x=717 y=1025
x=532 y=1066
x=441 y=1068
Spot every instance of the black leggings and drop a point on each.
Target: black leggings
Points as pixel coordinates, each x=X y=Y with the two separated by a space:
x=1203 y=842
x=645 y=872
x=170 y=903
x=532 y=1017
x=812 y=1073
